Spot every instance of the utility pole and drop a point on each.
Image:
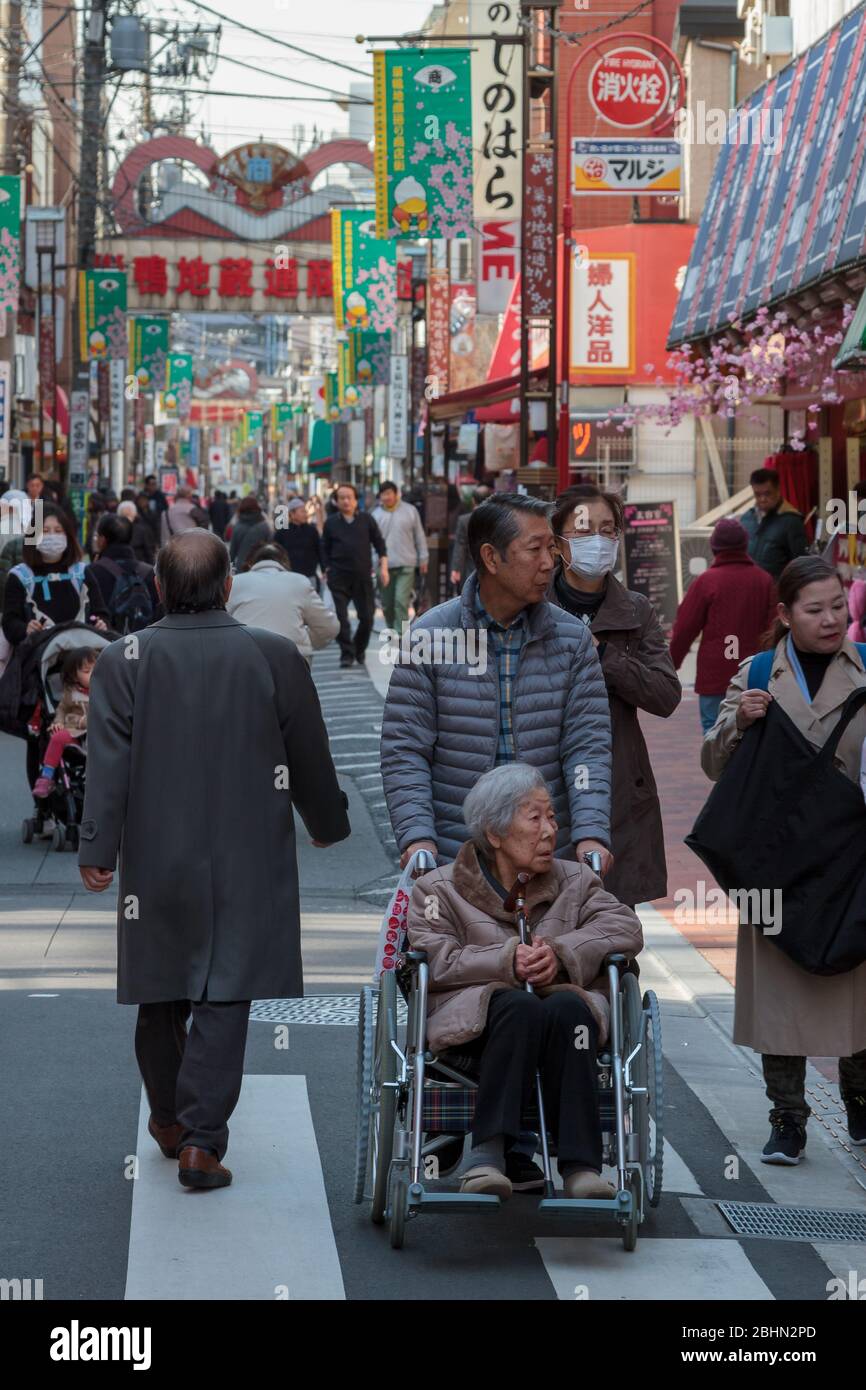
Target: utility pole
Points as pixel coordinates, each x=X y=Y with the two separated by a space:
x=11 y=165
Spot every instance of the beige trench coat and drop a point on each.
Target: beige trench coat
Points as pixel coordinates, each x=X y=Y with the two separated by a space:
x=458 y=918
x=780 y=1008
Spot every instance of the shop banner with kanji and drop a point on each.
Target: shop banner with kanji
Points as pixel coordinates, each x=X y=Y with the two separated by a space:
x=371 y=358
x=10 y=241
x=365 y=272
x=438 y=330
x=602 y=314
x=539 y=235
x=177 y=398
x=332 y=409
x=102 y=312
x=253 y=424
x=424 y=157
x=347 y=391
x=148 y=352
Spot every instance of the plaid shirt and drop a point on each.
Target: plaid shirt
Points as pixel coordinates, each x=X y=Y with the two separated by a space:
x=506 y=643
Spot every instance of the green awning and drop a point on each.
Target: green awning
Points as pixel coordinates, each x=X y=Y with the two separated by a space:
x=852 y=353
x=321 y=445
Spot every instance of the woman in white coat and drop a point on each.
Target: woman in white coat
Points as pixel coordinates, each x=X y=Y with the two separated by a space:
x=267 y=593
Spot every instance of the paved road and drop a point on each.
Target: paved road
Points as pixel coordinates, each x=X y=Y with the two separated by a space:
x=92 y=1208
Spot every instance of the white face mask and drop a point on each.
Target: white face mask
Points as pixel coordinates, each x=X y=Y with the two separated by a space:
x=52 y=546
x=592 y=556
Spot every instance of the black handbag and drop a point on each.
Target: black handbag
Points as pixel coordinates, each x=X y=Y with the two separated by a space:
x=784 y=834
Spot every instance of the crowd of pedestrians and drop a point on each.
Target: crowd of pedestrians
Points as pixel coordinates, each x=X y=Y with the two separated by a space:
x=530 y=761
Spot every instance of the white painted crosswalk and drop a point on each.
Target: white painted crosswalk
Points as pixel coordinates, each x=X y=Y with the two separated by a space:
x=267 y=1237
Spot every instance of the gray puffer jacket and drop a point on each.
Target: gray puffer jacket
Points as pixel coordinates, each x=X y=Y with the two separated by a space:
x=441 y=725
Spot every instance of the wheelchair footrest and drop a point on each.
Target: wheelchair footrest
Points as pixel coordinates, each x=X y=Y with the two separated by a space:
x=620 y=1205
x=443 y=1202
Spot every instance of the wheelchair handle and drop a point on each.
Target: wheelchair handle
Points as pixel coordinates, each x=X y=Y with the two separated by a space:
x=593 y=859
x=422 y=862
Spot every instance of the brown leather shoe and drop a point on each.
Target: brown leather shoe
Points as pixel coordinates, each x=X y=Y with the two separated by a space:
x=202 y=1169
x=166 y=1136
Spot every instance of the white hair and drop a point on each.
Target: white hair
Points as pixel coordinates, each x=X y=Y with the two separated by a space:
x=496 y=798
x=127 y=509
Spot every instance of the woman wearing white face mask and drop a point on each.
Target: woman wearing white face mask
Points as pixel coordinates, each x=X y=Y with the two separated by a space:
x=638 y=671
x=52 y=584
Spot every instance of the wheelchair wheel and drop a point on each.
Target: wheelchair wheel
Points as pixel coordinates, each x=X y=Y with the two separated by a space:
x=58 y=838
x=399 y=1200
x=383 y=1095
x=629 y=1230
x=652 y=1133
x=365 y=1084
x=28 y=826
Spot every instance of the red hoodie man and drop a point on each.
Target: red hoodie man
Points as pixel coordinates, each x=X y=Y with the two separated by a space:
x=730 y=606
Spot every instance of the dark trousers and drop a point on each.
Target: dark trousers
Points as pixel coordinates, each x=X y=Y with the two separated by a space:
x=786 y=1081
x=193 y=1079
x=525 y=1033
x=345 y=588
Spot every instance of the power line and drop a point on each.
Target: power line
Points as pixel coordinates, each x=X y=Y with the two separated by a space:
x=337 y=96
x=269 y=38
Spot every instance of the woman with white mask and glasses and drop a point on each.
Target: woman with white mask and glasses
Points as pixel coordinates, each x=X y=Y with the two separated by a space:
x=638 y=671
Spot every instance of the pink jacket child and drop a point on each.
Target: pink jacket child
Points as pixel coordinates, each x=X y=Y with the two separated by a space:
x=70 y=717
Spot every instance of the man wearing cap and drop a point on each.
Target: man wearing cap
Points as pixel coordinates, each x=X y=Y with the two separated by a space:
x=301 y=540
x=730 y=607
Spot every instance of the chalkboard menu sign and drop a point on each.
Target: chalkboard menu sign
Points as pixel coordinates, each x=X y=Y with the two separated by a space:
x=651 y=543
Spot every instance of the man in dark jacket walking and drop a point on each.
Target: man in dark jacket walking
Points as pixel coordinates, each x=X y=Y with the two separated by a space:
x=301 y=541
x=730 y=606
x=348 y=538
x=208 y=907
x=775 y=528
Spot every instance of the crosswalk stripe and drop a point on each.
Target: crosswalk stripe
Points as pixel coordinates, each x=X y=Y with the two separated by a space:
x=266 y=1237
x=669 y=1270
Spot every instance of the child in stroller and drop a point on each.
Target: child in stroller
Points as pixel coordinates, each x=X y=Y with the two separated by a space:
x=59 y=726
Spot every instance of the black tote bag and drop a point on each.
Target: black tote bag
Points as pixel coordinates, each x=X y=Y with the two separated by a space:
x=782 y=818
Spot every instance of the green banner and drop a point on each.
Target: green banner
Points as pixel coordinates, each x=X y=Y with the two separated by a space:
x=253 y=424
x=10 y=240
x=371 y=358
x=177 y=397
x=102 y=314
x=423 y=160
x=148 y=351
x=332 y=409
x=365 y=272
x=281 y=414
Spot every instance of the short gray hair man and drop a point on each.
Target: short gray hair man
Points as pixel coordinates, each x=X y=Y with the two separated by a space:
x=496 y=798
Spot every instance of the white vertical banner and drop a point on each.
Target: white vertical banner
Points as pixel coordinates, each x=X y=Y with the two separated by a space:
x=602 y=314
x=117 y=380
x=5 y=416
x=497 y=125
x=497 y=108
x=398 y=432
x=79 y=437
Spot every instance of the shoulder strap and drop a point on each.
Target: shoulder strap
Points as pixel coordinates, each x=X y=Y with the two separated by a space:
x=759 y=670
x=111 y=565
x=25 y=574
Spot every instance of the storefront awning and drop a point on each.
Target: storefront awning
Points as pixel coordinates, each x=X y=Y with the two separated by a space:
x=456 y=403
x=773 y=224
x=852 y=354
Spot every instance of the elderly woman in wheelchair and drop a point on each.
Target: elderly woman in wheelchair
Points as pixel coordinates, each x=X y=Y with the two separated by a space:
x=462 y=916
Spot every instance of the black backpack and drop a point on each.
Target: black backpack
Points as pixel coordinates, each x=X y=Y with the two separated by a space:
x=130 y=606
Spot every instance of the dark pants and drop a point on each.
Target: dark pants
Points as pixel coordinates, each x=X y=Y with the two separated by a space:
x=345 y=588
x=193 y=1079
x=525 y=1033
x=786 y=1081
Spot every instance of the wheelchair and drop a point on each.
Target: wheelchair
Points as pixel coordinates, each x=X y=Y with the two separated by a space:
x=412 y=1104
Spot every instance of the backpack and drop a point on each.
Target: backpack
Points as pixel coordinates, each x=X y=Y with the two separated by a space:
x=762 y=665
x=130 y=607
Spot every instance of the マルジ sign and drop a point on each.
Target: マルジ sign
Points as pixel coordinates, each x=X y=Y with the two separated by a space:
x=630 y=87
x=651 y=544
x=625 y=166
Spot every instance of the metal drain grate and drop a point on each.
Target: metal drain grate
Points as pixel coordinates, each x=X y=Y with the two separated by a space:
x=327 y=1009
x=766 y=1221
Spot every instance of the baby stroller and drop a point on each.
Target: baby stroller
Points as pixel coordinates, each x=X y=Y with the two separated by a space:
x=59 y=814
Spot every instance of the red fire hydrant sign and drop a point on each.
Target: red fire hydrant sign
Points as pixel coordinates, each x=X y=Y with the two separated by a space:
x=630 y=87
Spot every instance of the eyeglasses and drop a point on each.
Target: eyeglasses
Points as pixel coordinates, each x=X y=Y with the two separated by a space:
x=606 y=529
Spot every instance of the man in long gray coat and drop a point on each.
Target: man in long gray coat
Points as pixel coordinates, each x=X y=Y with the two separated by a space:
x=208 y=909
x=527 y=687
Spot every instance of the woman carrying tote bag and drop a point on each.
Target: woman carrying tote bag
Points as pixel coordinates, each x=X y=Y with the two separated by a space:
x=781 y=1010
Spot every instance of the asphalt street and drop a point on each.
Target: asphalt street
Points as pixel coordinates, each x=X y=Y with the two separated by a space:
x=91 y=1207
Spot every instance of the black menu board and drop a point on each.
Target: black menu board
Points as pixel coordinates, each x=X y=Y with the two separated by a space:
x=652 y=556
